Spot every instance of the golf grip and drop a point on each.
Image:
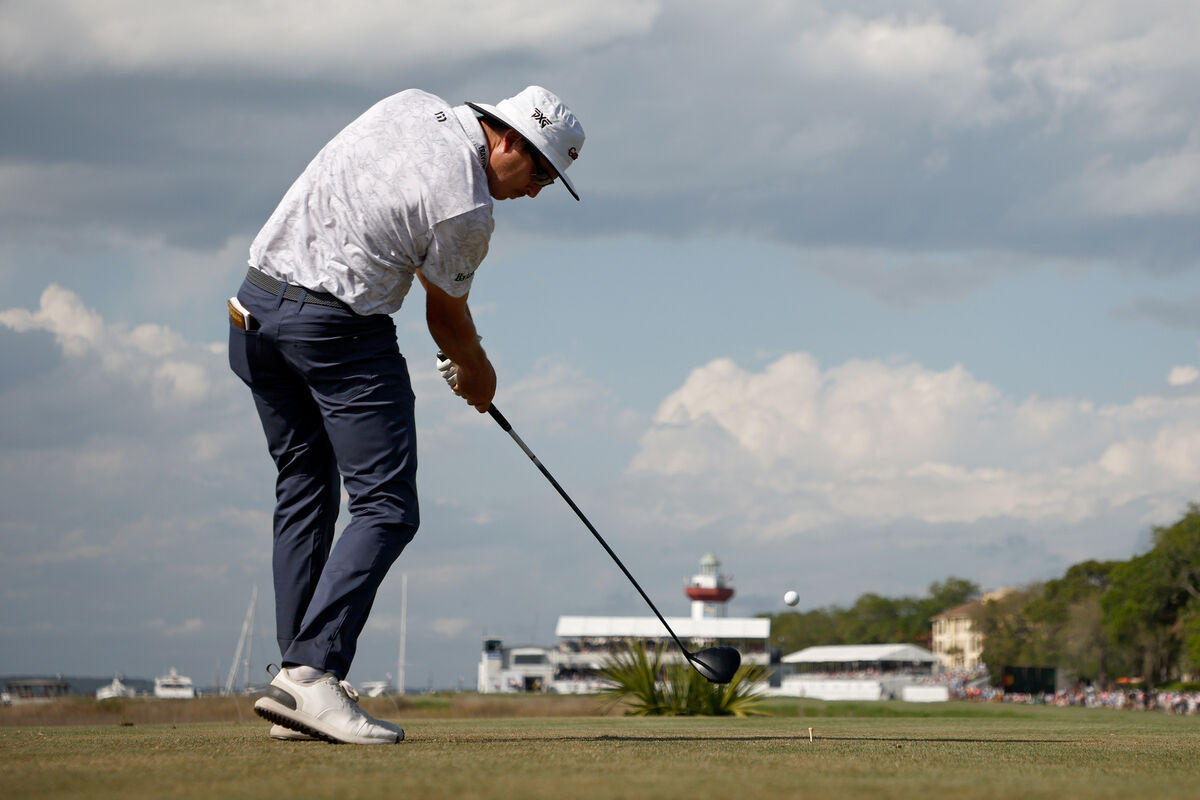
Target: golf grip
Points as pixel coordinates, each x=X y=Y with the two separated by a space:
x=507 y=426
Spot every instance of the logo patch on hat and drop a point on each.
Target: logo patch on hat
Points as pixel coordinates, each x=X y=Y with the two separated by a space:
x=541 y=118
x=573 y=153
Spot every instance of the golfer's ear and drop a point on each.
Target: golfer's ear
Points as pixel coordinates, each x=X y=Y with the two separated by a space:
x=512 y=141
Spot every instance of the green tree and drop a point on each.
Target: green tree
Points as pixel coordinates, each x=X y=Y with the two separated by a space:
x=1189 y=628
x=1152 y=601
x=873 y=619
x=792 y=631
x=953 y=592
x=1010 y=637
x=1068 y=620
x=1139 y=617
x=1178 y=551
x=1084 y=648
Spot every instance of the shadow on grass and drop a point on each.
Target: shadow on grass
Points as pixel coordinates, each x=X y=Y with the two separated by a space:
x=785 y=738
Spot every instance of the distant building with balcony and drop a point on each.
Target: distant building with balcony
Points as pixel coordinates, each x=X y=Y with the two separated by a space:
x=957 y=641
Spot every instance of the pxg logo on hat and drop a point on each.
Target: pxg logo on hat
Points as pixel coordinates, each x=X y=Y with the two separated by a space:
x=545 y=122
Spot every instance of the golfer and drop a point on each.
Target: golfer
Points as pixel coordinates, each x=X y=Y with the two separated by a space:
x=406 y=190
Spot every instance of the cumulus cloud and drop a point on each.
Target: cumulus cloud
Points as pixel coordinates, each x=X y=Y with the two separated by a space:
x=923 y=60
x=1183 y=376
x=126 y=412
x=129 y=35
x=77 y=329
x=796 y=446
x=141 y=354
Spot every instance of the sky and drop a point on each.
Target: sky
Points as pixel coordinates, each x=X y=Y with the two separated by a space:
x=860 y=296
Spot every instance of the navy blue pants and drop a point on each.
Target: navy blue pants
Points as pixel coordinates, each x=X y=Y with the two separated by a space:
x=336 y=405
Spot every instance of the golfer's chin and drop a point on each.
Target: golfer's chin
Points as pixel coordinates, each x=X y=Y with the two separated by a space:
x=504 y=193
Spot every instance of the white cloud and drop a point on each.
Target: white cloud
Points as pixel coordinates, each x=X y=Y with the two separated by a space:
x=136 y=426
x=1166 y=183
x=794 y=447
x=146 y=355
x=922 y=60
x=189 y=627
x=178 y=385
x=77 y=329
x=449 y=627
x=1183 y=376
x=308 y=37
x=1125 y=64
x=557 y=394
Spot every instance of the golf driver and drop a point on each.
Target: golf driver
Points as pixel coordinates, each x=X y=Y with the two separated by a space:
x=717 y=664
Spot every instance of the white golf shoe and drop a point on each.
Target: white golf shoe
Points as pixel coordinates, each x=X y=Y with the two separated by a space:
x=322 y=709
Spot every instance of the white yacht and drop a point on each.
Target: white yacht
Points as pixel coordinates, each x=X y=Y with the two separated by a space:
x=115 y=690
x=174 y=686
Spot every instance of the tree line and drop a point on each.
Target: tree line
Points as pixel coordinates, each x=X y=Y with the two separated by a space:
x=873 y=619
x=1101 y=620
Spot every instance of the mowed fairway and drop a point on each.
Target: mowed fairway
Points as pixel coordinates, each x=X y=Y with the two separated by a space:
x=964 y=752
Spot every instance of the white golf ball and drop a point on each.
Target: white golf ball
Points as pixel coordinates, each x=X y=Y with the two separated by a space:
x=791 y=598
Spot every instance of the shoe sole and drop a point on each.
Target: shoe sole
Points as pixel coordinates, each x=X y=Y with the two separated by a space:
x=285 y=734
x=270 y=711
x=274 y=711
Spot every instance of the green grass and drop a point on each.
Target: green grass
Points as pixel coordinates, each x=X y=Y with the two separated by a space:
x=914 y=751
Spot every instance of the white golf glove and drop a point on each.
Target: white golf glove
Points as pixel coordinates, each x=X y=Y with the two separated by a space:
x=448 y=369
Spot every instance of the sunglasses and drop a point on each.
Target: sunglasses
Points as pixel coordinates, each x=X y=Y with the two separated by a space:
x=540 y=176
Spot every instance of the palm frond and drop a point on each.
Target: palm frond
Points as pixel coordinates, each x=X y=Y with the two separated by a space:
x=651 y=688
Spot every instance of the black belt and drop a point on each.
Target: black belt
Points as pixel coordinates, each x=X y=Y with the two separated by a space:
x=292 y=292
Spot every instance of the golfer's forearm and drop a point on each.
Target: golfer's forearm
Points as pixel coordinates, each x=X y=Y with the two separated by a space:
x=452 y=327
x=456 y=338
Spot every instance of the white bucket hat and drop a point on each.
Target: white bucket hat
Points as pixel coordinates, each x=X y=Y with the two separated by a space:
x=545 y=122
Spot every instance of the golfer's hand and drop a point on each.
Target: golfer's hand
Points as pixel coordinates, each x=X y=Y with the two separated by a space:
x=475 y=385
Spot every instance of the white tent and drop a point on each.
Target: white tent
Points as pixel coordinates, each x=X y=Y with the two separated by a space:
x=862 y=654
x=858 y=672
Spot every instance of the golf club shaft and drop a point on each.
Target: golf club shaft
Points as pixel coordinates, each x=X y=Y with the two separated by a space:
x=504 y=423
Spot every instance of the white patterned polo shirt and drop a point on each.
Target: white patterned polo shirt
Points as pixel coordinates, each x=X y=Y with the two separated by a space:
x=400 y=189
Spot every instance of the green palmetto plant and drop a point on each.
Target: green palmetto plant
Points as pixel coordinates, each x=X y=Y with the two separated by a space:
x=649 y=687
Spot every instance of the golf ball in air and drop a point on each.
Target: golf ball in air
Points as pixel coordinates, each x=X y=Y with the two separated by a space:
x=791 y=598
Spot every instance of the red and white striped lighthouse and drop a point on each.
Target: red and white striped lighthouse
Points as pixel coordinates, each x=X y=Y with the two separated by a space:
x=709 y=590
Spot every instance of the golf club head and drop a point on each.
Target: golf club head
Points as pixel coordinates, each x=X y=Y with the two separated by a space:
x=718 y=664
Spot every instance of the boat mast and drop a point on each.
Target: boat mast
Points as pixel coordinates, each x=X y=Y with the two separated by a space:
x=243 y=644
x=403 y=631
